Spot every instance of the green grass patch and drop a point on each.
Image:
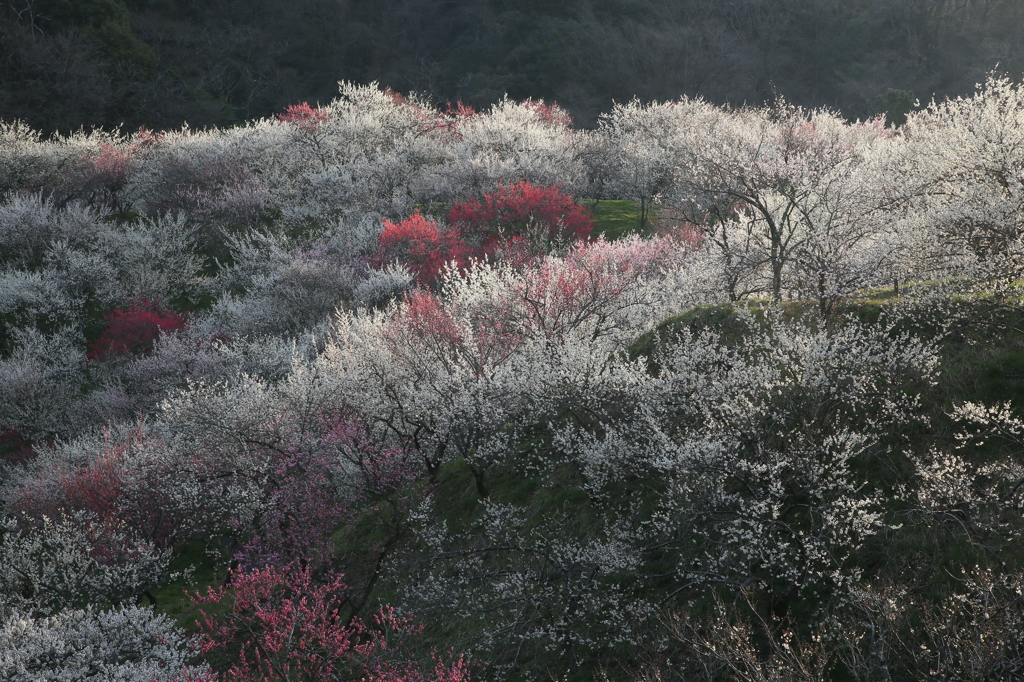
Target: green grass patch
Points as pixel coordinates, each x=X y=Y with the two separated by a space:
x=615 y=218
x=1002 y=377
x=203 y=566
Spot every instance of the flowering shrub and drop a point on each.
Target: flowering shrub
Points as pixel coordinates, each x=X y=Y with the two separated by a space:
x=382 y=285
x=301 y=512
x=452 y=117
x=280 y=624
x=549 y=113
x=140 y=383
x=39 y=384
x=134 y=330
x=515 y=223
x=270 y=288
x=123 y=479
x=130 y=643
x=446 y=372
x=423 y=245
x=111 y=169
x=72 y=561
x=228 y=206
x=304 y=117
x=521 y=214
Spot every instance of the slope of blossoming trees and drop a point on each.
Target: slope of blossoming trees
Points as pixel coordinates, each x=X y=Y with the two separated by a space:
x=360 y=392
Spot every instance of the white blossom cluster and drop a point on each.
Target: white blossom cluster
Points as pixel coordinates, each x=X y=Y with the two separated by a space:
x=960 y=199
x=450 y=372
x=368 y=152
x=749 y=457
x=124 y=644
x=55 y=566
x=66 y=612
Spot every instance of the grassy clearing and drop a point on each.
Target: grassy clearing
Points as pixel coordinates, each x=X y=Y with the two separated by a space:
x=204 y=566
x=617 y=218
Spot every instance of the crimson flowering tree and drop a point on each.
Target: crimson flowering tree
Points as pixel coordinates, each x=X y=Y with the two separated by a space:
x=126 y=481
x=304 y=117
x=521 y=217
x=422 y=244
x=549 y=113
x=280 y=624
x=134 y=329
x=515 y=223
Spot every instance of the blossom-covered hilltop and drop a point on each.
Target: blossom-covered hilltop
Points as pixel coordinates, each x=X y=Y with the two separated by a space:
x=369 y=391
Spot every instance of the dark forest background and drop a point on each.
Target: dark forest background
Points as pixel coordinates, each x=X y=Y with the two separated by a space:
x=66 y=64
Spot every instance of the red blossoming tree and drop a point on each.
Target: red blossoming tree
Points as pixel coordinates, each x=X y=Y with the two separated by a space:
x=126 y=481
x=517 y=222
x=304 y=117
x=422 y=244
x=278 y=623
x=521 y=219
x=134 y=329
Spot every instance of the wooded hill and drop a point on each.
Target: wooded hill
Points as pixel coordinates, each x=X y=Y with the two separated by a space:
x=159 y=63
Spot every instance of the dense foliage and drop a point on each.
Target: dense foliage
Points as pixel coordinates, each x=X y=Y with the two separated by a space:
x=68 y=64
x=362 y=391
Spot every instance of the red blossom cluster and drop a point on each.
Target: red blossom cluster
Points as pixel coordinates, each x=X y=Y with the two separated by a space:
x=282 y=624
x=516 y=222
x=304 y=117
x=423 y=245
x=134 y=329
x=521 y=212
x=108 y=487
x=460 y=110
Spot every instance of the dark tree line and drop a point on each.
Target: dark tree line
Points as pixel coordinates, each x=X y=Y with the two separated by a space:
x=71 y=63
